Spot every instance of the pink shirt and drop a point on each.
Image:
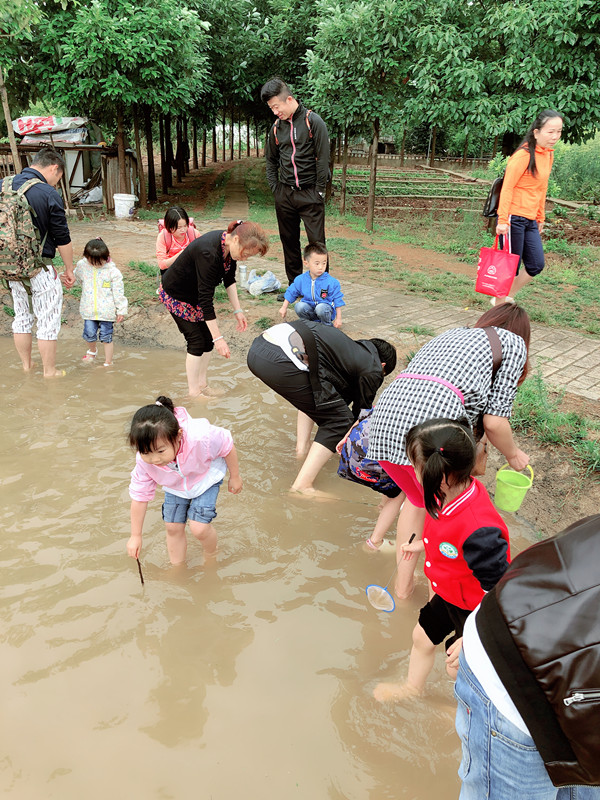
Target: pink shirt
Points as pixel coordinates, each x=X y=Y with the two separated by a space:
x=199 y=462
x=176 y=247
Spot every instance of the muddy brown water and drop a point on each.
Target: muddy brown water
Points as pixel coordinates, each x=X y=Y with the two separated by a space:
x=252 y=679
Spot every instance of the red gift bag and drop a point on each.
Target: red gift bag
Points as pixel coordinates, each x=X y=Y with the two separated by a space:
x=496 y=270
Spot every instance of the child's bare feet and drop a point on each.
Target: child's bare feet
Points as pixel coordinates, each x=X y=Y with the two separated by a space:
x=395 y=692
x=316 y=494
x=57 y=373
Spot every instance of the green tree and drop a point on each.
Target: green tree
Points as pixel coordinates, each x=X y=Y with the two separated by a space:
x=104 y=57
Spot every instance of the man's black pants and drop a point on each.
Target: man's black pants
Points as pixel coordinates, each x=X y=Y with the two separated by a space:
x=293 y=206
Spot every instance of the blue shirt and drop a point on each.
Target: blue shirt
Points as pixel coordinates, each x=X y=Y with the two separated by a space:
x=325 y=289
x=49 y=218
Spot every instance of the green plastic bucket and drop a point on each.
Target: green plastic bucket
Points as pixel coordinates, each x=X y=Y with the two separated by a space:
x=511 y=488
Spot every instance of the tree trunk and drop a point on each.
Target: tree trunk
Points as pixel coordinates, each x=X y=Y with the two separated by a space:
x=164 y=179
x=123 y=187
x=224 y=123
x=373 y=176
x=179 y=150
x=329 y=187
x=247 y=138
x=256 y=140
x=402 y=148
x=240 y=136
x=232 y=135
x=495 y=149
x=169 y=151
x=214 y=144
x=344 y=174
x=432 y=153
x=185 y=146
x=203 y=147
x=9 y=127
x=150 y=151
x=194 y=144
x=339 y=147
x=465 y=152
x=140 y=165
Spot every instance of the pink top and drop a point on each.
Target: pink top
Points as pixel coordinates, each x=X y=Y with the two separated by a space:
x=176 y=247
x=198 y=464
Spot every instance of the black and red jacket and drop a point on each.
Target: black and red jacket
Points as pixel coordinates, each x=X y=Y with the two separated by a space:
x=297 y=151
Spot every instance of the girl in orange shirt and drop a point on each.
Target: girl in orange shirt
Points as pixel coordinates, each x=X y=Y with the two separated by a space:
x=523 y=197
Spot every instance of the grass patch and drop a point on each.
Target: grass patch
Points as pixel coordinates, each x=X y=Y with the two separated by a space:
x=263 y=323
x=538 y=413
x=151 y=213
x=418 y=330
x=216 y=199
x=140 y=282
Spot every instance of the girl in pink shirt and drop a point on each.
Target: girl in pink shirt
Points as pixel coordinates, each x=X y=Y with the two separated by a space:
x=175 y=236
x=188 y=458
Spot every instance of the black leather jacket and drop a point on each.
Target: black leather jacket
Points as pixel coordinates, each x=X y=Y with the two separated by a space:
x=541 y=629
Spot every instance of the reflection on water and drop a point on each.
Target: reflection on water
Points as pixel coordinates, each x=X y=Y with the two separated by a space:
x=250 y=679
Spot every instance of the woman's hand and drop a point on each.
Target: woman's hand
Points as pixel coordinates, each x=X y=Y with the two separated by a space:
x=134 y=546
x=501 y=230
x=241 y=323
x=452 y=654
x=222 y=348
x=519 y=461
x=540 y=226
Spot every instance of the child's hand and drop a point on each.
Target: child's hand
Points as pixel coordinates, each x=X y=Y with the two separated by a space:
x=337 y=323
x=283 y=312
x=409 y=550
x=452 y=654
x=134 y=546
x=234 y=485
x=120 y=318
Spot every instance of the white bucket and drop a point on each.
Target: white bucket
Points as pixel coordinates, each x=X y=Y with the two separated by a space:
x=124 y=205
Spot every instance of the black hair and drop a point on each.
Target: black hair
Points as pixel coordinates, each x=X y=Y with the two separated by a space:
x=387 y=354
x=529 y=139
x=441 y=449
x=153 y=422
x=172 y=217
x=275 y=87
x=314 y=248
x=96 y=252
x=48 y=157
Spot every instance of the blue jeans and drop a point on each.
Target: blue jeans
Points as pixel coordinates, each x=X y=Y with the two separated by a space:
x=90 y=330
x=321 y=312
x=499 y=761
x=201 y=509
x=525 y=241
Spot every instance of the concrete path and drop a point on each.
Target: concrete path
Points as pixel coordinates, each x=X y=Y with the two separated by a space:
x=567 y=360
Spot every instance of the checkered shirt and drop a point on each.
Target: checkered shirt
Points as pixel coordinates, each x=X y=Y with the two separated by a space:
x=463 y=357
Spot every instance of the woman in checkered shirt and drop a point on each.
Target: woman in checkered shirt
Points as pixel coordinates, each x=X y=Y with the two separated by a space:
x=451 y=377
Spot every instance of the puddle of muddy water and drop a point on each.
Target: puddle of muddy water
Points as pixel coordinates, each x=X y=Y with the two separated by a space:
x=252 y=679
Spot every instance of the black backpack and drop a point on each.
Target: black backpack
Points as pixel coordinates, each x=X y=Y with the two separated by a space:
x=490 y=207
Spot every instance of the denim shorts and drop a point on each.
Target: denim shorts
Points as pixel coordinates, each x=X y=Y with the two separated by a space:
x=500 y=761
x=200 y=509
x=90 y=330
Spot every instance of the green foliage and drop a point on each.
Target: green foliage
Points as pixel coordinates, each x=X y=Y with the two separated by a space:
x=538 y=413
x=114 y=53
x=263 y=323
x=10 y=311
x=577 y=170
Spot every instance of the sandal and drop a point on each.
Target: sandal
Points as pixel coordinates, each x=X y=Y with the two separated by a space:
x=371 y=545
x=89 y=356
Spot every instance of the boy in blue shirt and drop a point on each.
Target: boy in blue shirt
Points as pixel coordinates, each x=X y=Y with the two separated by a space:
x=319 y=295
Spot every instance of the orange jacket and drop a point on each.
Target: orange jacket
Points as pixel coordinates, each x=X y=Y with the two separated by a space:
x=523 y=194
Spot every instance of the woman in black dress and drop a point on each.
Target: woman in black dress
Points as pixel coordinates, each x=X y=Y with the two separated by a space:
x=188 y=289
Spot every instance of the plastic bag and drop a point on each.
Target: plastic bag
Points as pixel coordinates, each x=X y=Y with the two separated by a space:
x=496 y=270
x=260 y=282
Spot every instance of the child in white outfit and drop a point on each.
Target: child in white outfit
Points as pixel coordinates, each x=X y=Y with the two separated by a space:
x=103 y=301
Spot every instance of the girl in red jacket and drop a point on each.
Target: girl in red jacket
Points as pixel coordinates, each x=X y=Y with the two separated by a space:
x=464 y=538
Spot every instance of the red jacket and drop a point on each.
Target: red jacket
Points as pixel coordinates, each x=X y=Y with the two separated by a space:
x=466 y=548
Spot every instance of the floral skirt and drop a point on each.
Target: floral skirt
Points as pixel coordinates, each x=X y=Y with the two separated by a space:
x=179 y=308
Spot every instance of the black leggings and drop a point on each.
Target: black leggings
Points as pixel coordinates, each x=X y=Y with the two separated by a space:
x=197 y=336
x=270 y=364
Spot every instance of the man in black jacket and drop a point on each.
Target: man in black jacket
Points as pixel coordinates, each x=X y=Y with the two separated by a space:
x=528 y=686
x=297 y=156
x=320 y=371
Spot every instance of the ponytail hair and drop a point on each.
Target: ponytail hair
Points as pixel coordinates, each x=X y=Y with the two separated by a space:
x=251 y=236
x=528 y=142
x=153 y=422
x=441 y=449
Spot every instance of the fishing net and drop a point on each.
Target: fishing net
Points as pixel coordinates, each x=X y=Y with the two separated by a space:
x=380 y=598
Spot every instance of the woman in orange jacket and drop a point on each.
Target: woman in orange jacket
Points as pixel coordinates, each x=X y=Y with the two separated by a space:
x=523 y=197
